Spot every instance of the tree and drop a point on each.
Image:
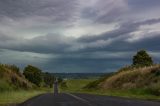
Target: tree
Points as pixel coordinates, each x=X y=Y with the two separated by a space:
x=142 y=58
x=48 y=79
x=33 y=74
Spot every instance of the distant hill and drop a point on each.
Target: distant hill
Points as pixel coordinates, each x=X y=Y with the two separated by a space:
x=147 y=78
x=11 y=78
x=78 y=75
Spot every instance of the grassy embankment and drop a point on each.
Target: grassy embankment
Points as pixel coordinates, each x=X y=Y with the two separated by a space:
x=15 y=97
x=14 y=88
x=141 y=83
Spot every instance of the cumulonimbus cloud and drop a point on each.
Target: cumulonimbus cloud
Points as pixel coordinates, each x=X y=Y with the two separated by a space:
x=40 y=27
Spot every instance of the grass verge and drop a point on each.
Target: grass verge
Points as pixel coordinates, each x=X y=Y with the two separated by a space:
x=134 y=94
x=15 y=97
x=76 y=86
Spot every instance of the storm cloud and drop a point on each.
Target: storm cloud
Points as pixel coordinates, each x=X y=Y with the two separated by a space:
x=75 y=36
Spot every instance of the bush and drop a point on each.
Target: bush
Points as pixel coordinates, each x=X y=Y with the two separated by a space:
x=33 y=74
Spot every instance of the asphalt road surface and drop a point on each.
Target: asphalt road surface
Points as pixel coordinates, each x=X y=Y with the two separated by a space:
x=63 y=99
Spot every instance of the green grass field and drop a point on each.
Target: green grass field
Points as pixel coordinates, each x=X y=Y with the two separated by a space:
x=15 y=97
x=76 y=85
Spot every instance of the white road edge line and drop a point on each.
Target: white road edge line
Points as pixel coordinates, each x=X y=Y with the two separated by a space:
x=81 y=99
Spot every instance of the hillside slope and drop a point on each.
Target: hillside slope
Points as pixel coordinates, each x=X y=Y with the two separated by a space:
x=146 y=79
x=11 y=79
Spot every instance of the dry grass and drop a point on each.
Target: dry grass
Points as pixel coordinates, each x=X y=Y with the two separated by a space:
x=147 y=78
x=14 y=79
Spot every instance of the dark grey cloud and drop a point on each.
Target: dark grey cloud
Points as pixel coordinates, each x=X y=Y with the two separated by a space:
x=124 y=29
x=113 y=11
x=120 y=44
x=115 y=40
x=4 y=38
x=36 y=32
x=51 y=43
x=84 y=65
x=60 y=10
x=143 y=4
x=151 y=44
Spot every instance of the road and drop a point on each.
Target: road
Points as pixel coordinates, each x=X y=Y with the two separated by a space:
x=64 y=99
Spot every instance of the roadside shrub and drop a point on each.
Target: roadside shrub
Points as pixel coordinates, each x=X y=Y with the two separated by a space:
x=33 y=74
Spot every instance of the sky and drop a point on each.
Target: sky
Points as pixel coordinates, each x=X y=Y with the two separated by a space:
x=74 y=36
